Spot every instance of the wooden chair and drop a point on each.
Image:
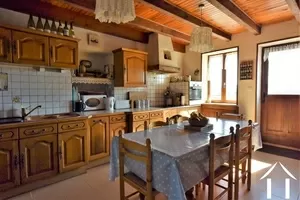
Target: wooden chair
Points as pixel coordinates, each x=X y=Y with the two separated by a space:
x=243 y=155
x=233 y=116
x=126 y=148
x=176 y=119
x=222 y=145
x=156 y=124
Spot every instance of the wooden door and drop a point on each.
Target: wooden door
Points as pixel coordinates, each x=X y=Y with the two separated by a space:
x=117 y=128
x=38 y=158
x=72 y=150
x=9 y=168
x=135 y=69
x=63 y=53
x=30 y=49
x=5 y=45
x=139 y=125
x=99 y=138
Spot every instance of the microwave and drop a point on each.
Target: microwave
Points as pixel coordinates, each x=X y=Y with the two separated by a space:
x=94 y=102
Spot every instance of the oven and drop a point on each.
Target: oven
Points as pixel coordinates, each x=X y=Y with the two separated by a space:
x=93 y=102
x=195 y=92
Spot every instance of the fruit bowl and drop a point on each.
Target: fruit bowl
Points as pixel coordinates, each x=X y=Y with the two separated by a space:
x=198 y=123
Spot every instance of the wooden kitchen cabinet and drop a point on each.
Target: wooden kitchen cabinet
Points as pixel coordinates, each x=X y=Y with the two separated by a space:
x=140 y=125
x=63 y=53
x=5 y=45
x=72 y=150
x=117 y=128
x=38 y=158
x=186 y=112
x=30 y=48
x=130 y=68
x=211 y=110
x=9 y=168
x=99 y=137
x=168 y=113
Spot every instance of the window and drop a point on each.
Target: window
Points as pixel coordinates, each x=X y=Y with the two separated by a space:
x=222 y=84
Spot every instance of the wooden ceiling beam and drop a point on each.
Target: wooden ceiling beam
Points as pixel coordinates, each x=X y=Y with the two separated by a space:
x=168 y=8
x=294 y=6
x=49 y=11
x=234 y=12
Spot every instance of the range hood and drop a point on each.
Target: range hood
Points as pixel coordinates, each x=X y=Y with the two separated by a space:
x=161 y=56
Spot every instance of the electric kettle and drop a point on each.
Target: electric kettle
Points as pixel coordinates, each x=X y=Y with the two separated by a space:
x=110 y=103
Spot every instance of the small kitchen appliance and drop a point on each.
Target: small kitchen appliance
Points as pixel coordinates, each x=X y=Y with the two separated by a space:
x=94 y=102
x=195 y=93
x=79 y=106
x=110 y=103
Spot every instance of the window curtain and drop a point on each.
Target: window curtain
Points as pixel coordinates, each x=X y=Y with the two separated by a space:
x=268 y=50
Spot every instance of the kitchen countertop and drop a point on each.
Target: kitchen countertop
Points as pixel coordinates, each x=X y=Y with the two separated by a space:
x=85 y=115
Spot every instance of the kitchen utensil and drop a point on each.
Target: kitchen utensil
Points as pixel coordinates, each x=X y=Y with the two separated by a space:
x=83 y=65
x=79 y=106
x=109 y=103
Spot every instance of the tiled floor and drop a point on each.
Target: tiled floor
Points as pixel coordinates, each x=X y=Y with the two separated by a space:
x=95 y=184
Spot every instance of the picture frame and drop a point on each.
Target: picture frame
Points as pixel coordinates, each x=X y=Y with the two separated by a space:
x=93 y=39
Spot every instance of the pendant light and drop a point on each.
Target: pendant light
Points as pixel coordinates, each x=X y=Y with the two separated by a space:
x=201 y=38
x=116 y=11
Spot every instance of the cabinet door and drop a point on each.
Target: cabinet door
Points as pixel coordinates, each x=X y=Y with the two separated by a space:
x=72 y=150
x=9 y=169
x=117 y=128
x=139 y=126
x=63 y=53
x=99 y=137
x=135 y=69
x=38 y=158
x=169 y=113
x=30 y=48
x=5 y=45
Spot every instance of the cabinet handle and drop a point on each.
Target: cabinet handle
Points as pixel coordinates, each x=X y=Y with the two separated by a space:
x=16 y=162
x=60 y=153
x=22 y=161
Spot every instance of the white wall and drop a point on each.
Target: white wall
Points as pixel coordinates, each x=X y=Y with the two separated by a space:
x=247 y=43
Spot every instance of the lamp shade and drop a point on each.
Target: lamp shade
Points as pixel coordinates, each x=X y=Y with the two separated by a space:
x=201 y=39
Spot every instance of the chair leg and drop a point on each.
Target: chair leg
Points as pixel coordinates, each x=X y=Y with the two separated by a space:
x=230 y=184
x=197 y=189
x=122 y=190
x=203 y=186
x=243 y=172
x=211 y=192
x=249 y=174
x=236 y=182
x=142 y=197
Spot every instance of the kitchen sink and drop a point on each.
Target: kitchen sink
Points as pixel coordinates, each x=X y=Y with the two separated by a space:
x=10 y=120
x=55 y=116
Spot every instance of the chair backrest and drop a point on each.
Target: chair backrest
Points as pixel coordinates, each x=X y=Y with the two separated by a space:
x=156 y=124
x=137 y=152
x=176 y=119
x=222 y=145
x=243 y=136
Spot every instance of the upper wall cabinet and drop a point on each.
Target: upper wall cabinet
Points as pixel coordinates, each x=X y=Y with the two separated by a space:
x=130 y=68
x=25 y=46
x=5 y=47
x=63 y=53
x=30 y=48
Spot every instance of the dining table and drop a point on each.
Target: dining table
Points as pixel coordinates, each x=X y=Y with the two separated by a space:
x=180 y=156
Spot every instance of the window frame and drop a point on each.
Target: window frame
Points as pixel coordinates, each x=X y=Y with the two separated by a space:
x=223 y=82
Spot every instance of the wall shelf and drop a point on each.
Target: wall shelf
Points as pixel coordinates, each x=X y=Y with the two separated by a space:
x=91 y=80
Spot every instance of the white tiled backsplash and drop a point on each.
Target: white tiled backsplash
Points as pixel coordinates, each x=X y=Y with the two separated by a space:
x=51 y=90
x=156 y=86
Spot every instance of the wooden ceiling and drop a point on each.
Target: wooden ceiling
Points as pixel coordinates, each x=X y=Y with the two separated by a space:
x=175 y=18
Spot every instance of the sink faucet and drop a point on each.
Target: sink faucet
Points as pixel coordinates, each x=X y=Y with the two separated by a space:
x=24 y=114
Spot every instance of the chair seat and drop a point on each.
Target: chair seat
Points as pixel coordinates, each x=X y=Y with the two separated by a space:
x=220 y=173
x=138 y=183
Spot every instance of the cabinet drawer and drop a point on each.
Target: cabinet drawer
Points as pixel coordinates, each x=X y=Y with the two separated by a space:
x=8 y=134
x=38 y=130
x=158 y=114
x=140 y=117
x=117 y=119
x=70 y=126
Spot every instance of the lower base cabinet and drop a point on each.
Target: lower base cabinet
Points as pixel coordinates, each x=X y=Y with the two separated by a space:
x=139 y=125
x=9 y=169
x=38 y=158
x=72 y=150
x=118 y=128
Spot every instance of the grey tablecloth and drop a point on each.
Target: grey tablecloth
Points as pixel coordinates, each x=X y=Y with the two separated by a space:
x=180 y=157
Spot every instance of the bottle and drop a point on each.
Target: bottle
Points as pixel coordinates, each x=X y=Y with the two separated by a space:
x=71 y=32
x=53 y=27
x=66 y=30
x=31 y=23
x=47 y=26
x=60 y=30
x=39 y=25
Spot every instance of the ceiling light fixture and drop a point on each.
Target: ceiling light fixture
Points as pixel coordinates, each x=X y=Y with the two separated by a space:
x=116 y=11
x=201 y=38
